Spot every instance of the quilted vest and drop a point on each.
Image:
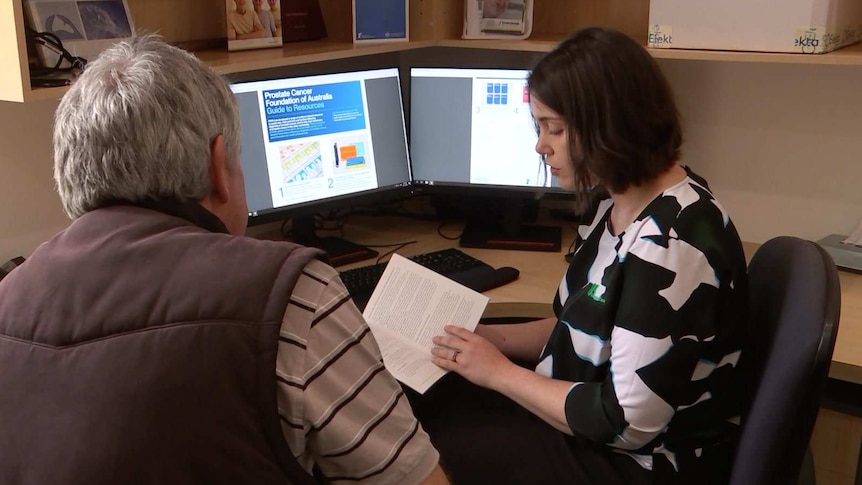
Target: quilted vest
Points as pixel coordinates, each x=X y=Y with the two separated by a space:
x=139 y=348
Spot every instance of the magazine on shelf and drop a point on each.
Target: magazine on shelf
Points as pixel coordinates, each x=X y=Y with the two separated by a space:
x=380 y=21
x=85 y=28
x=497 y=19
x=302 y=20
x=410 y=305
x=253 y=25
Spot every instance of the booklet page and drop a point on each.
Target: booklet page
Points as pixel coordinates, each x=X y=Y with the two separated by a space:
x=410 y=305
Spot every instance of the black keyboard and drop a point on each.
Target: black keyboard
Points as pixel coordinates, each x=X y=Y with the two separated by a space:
x=360 y=282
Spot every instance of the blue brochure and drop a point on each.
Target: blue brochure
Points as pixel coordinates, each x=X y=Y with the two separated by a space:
x=379 y=20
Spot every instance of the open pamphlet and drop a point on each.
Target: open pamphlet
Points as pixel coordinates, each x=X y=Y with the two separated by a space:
x=410 y=305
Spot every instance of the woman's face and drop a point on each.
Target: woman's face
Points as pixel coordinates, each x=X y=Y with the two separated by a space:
x=553 y=142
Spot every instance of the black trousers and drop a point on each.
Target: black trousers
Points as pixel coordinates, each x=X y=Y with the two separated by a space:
x=485 y=438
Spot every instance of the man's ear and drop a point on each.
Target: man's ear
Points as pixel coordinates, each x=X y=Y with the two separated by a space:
x=219 y=171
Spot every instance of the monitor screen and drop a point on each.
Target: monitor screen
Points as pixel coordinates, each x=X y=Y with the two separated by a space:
x=472 y=134
x=473 y=127
x=319 y=142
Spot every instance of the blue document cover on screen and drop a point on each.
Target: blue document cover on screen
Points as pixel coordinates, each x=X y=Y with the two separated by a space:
x=379 y=20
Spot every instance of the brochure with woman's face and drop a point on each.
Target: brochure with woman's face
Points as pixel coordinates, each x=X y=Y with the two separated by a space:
x=253 y=24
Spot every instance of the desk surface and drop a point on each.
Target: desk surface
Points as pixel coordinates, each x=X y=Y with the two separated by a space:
x=541 y=272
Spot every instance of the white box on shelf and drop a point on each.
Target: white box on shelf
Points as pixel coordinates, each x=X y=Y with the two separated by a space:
x=795 y=26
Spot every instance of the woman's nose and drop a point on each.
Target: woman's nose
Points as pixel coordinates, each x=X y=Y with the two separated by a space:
x=542 y=148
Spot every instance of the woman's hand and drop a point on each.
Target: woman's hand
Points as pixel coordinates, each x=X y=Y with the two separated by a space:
x=481 y=363
x=472 y=356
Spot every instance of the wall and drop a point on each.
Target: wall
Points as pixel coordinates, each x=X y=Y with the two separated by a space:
x=30 y=210
x=779 y=144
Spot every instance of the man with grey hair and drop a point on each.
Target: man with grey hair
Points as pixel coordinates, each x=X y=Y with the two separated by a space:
x=150 y=342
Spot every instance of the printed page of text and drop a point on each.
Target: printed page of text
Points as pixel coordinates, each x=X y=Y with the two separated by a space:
x=413 y=304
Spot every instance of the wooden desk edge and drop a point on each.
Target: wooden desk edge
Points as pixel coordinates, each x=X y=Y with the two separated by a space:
x=843 y=371
x=518 y=309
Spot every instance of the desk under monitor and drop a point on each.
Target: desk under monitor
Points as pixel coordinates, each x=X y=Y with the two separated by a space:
x=540 y=274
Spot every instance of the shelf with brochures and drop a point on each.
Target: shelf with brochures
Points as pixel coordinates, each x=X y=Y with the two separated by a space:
x=225 y=62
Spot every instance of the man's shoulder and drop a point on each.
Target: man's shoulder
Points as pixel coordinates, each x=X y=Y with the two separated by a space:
x=320 y=271
x=318 y=286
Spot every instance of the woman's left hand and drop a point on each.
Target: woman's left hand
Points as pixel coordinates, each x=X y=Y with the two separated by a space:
x=474 y=357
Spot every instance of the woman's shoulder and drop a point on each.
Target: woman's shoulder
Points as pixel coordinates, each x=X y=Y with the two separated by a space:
x=594 y=216
x=690 y=199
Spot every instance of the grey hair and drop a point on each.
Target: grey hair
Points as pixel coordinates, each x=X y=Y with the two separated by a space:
x=139 y=124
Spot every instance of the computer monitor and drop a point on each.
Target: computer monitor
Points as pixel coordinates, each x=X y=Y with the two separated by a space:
x=471 y=133
x=323 y=142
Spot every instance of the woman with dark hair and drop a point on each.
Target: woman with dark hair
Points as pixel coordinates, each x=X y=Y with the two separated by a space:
x=635 y=379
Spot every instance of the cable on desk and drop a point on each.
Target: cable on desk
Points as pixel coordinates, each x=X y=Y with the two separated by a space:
x=391 y=245
x=387 y=253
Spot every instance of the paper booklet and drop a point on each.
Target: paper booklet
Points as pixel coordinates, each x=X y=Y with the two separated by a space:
x=410 y=305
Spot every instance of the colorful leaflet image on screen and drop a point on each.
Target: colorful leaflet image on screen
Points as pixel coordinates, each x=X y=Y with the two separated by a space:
x=322 y=142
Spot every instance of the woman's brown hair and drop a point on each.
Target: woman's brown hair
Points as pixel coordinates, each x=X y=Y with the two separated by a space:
x=622 y=121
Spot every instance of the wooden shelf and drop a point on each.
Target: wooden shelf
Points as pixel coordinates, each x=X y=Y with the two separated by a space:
x=432 y=23
x=532 y=44
x=847 y=56
x=225 y=62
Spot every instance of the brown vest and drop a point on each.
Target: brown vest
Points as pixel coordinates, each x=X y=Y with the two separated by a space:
x=138 y=348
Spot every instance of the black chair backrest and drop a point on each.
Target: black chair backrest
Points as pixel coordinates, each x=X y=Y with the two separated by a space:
x=795 y=300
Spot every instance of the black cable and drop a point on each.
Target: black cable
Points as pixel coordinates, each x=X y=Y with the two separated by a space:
x=391 y=245
x=43 y=76
x=387 y=253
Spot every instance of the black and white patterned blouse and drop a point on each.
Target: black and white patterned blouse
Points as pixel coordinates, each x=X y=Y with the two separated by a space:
x=649 y=329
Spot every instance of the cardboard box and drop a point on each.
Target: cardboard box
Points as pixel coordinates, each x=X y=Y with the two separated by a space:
x=796 y=26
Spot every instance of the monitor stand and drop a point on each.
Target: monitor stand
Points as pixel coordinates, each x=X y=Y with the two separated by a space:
x=340 y=251
x=511 y=233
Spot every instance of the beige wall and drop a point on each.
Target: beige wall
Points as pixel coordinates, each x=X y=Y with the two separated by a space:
x=780 y=144
x=30 y=211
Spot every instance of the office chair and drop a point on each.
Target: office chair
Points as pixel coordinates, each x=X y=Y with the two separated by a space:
x=795 y=300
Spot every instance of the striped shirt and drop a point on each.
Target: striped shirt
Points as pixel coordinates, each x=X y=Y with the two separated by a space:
x=340 y=408
x=649 y=329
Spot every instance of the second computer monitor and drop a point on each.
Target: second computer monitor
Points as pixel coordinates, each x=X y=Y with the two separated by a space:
x=472 y=135
x=473 y=127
